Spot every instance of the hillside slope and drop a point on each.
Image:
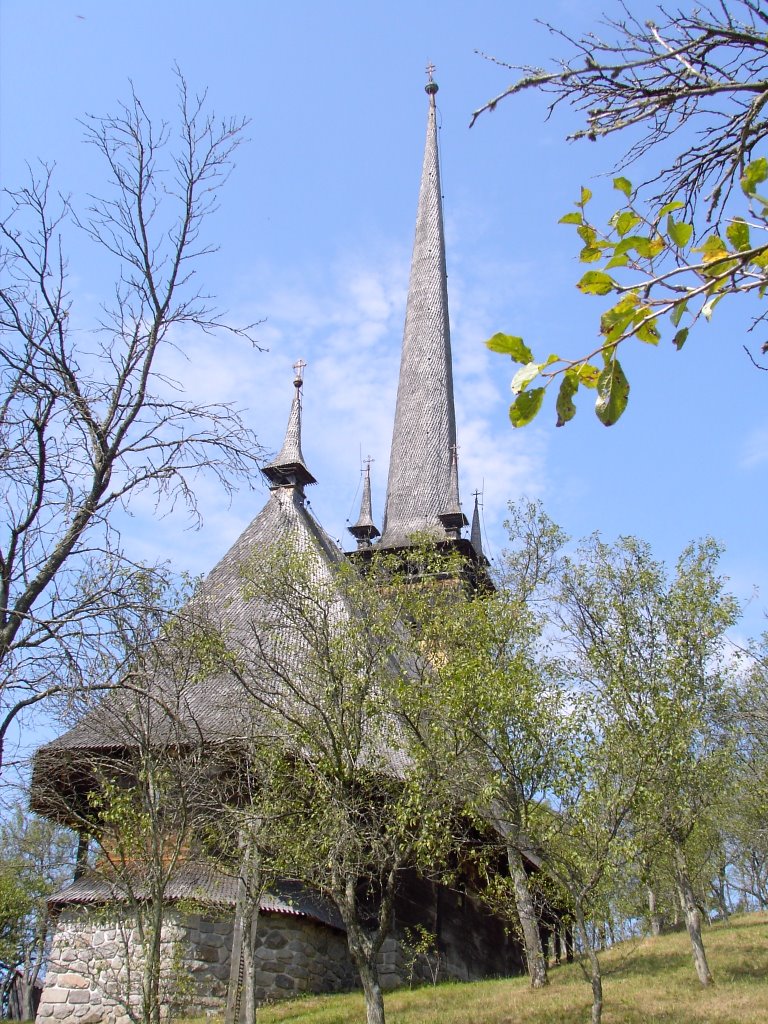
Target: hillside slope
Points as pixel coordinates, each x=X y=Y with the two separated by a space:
x=648 y=982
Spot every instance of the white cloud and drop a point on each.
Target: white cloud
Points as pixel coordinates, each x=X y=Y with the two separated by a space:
x=346 y=322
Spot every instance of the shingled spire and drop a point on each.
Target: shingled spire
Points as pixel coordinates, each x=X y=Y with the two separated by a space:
x=288 y=468
x=365 y=529
x=424 y=437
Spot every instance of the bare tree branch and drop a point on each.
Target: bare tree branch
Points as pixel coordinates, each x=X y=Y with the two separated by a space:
x=706 y=69
x=83 y=429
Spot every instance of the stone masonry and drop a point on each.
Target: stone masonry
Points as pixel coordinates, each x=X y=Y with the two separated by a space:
x=94 y=974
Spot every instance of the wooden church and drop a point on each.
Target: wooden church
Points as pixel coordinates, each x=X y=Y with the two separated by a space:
x=301 y=945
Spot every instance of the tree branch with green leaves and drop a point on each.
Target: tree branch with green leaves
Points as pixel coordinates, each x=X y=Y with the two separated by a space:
x=686 y=92
x=654 y=273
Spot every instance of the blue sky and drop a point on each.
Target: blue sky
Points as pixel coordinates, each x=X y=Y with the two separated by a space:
x=315 y=231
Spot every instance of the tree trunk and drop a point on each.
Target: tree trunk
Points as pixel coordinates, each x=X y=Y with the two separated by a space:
x=27 y=1001
x=653 y=914
x=568 y=942
x=364 y=947
x=374 y=997
x=242 y=1003
x=692 y=915
x=534 y=954
x=152 y=959
x=595 y=974
x=720 y=890
x=250 y=1003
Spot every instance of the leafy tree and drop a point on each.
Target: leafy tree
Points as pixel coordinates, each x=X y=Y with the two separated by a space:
x=650 y=650
x=147 y=785
x=500 y=708
x=242 y=840
x=698 y=235
x=37 y=858
x=746 y=830
x=586 y=844
x=334 y=681
x=87 y=420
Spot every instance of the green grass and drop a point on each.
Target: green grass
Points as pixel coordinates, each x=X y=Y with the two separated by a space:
x=649 y=982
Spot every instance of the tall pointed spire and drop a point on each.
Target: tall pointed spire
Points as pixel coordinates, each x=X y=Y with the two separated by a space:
x=288 y=467
x=365 y=529
x=424 y=435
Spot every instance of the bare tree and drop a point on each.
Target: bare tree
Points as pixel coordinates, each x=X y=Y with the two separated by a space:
x=87 y=419
x=706 y=68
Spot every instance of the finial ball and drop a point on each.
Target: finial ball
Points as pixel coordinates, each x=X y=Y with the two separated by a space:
x=431 y=88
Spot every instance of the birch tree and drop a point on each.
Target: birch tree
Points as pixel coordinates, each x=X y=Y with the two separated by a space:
x=650 y=647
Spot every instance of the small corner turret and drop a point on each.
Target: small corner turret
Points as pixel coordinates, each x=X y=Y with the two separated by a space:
x=288 y=468
x=364 y=531
x=452 y=518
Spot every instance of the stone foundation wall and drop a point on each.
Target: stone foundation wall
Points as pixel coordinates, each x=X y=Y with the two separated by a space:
x=94 y=971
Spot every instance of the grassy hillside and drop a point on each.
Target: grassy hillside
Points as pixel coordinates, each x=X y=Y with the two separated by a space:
x=650 y=982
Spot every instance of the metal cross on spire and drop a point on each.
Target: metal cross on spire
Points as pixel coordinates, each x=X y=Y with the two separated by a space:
x=430 y=71
x=298 y=369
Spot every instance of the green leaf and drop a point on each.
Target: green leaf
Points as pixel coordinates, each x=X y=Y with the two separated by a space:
x=669 y=207
x=645 y=247
x=595 y=282
x=648 y=332
x=524 y=376
x=679 y=231
x=509 y=345
x=738 y=234
x=717 y=269
x=564 y=406
x=626 y=221
x=586 y=195
x=713 y=249
x=617 y=261
x=587 y=234
x=588 y=375
x=612 y=392
x=623 y=185
x=589 y=254
x=677 y=313
x=679 y=339
x=754 y=173
x=571 y=218
x=615 y=321
x=525 y=407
